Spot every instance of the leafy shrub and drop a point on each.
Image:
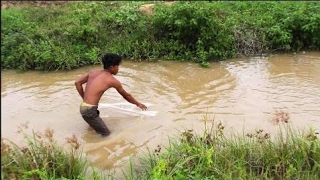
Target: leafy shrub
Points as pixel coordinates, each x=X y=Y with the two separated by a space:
x=75 y=35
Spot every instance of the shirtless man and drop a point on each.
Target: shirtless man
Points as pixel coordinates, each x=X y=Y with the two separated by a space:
x=97 y=82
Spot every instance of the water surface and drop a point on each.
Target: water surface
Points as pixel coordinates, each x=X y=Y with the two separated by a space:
x=243 y=94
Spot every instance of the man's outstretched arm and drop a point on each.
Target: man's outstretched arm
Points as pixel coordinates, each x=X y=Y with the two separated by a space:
x=128 y=96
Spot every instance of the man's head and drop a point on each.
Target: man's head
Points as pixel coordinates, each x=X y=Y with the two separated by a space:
x=111 y=61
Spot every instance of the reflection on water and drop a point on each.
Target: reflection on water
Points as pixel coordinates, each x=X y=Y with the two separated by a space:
x=242 y=93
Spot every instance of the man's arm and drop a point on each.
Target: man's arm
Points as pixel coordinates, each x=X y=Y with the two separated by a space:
x=127 y=96
x=79 y=82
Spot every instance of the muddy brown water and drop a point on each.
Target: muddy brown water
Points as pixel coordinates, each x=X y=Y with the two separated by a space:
x=242 y=93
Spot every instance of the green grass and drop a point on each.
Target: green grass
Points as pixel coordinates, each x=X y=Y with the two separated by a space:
x=213 y=154
x=42 y=158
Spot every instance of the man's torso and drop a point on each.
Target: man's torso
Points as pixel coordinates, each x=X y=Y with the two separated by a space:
x=98 y=82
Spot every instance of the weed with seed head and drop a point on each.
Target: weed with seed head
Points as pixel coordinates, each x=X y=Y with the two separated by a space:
x=42 y=158
x=254 y=155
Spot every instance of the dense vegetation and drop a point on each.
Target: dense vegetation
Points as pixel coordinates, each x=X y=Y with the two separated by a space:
x=43 y=158
x=75 y=35
x=218 y=155
x=214 y=154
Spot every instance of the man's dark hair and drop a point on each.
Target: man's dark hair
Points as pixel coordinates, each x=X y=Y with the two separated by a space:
x=111 y=59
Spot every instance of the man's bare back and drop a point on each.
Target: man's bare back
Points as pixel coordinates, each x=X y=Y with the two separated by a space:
x=96 y=83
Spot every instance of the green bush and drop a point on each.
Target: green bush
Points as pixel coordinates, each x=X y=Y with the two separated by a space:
x=75 y=35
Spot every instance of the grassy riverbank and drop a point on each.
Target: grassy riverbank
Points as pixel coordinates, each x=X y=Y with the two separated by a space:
x=215 y=155
x=42 y=158
x=55 y=37
x=210 y=155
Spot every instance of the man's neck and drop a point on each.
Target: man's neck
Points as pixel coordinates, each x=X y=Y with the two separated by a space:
x=107 y=70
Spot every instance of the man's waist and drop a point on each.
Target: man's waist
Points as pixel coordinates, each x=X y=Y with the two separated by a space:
x=88 y=105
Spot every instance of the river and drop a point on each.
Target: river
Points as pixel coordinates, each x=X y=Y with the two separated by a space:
x=243 y=93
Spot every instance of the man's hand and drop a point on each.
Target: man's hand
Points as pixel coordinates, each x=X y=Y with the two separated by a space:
x=142 y=106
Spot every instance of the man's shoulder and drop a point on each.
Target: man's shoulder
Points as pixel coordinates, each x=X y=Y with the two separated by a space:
x=95 y=71
x=114 y=79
